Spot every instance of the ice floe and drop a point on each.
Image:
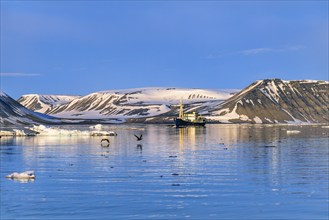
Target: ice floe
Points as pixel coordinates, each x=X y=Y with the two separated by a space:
x=42 y=130
x=24 y=175
x=293 y=131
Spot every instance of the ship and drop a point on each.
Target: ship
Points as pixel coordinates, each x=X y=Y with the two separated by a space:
x=192 y=119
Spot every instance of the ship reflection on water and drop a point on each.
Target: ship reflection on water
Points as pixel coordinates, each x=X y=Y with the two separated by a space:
x=188 y=136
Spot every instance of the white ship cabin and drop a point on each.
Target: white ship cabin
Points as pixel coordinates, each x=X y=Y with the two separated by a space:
x=193 y=117
x=190 y=117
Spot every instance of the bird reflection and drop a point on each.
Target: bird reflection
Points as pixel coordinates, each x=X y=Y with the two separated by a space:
x=105 y=142
x=139 y=147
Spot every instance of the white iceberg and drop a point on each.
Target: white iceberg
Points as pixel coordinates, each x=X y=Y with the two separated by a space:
x=22 y=176
x=54 y=131
x=293 y=131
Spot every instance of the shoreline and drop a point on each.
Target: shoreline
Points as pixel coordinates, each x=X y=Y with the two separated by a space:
x=71 y=129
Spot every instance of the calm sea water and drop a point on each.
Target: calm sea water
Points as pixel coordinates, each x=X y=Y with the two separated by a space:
x=217 y=172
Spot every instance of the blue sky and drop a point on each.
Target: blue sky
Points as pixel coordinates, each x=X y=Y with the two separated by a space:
x=79 y=47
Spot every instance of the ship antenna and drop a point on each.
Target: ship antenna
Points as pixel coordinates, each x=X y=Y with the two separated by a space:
x=181 y=108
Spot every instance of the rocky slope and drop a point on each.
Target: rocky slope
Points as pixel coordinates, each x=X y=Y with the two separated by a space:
x=44 y=103
x=13 y=113
x=127 y=104
x=276 y=101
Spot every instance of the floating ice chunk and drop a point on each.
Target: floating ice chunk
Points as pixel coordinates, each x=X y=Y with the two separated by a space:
x=24 y=175
x=103 y=133
x=97 y=127
x=18 y=132
x=6 y=133
x=54 y=131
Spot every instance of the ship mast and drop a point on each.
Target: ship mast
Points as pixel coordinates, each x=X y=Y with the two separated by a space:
x=181 y=108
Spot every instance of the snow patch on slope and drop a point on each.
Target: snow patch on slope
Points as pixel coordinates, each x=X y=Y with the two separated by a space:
x=160 y=95
x=44 y=103
x=225 y=115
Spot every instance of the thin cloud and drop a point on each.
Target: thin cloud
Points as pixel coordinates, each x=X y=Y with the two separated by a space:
x=19 y=74
x=255 y=51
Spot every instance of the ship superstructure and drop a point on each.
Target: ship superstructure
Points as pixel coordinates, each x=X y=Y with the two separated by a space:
x=189 y=119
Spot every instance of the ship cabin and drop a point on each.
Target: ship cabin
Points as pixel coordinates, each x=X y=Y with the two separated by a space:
x=191 y=117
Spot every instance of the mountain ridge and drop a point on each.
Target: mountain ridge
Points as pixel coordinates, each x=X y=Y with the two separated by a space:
x=263 y=101
x=140 y=102
x=277 y=101
x=44 y=103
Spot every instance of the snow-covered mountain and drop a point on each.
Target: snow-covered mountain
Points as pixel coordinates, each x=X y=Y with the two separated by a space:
x=276 y=101
x=130 y=103
x=264 y=101
x=44 y=103
x=13 y=113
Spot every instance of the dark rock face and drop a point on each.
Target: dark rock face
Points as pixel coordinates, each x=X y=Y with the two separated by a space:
x=33 y=105
x=13 y=113
x=276 y=101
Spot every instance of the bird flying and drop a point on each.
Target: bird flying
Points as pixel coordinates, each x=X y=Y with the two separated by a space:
x=139 y=138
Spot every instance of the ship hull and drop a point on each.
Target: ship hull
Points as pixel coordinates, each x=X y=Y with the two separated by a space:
x=182 y=123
